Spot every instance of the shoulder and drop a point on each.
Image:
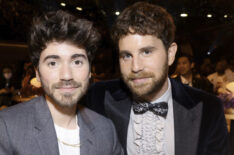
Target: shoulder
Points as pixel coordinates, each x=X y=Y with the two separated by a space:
x=93 y=118
x=190 y=96
x=19 y=114
x=115 y=87
x=110 y=85
x=96 y=95
x=17 y=110
x=212 y=76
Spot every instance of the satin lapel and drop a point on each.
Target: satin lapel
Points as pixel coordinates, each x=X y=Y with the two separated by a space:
x=187 y=126
x=119 y=112
x=45 y=134
x=87 y=137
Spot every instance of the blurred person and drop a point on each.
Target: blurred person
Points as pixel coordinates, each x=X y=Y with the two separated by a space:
x=228 y=97
x=8 y=86
x=62 y=47
x=206 y=67
x=221 y=77
x=152 y=113
x=185 y=74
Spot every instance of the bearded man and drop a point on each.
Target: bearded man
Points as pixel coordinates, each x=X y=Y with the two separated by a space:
x=62 y=47
x=155 y=115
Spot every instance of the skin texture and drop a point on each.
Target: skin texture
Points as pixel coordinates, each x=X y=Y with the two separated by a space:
x=144 y=64
x=184 y=66
x=64 y=72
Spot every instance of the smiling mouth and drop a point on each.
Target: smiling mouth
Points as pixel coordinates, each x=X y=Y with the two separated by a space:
x=140 y=80
x=67 y=89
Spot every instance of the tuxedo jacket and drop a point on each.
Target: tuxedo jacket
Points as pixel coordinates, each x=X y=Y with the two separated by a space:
x=28 y=129
x=199 y=122
x=200 y=83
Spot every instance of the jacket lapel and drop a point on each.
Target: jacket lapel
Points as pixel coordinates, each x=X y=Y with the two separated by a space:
x=187 y=126
x=187 y=120
x=86 y=132
x=45 y=134
x=118 y=107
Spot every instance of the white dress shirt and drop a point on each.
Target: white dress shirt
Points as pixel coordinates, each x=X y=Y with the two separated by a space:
x=147 y=127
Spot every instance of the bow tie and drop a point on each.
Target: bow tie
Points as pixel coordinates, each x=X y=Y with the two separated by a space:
x=160 y=108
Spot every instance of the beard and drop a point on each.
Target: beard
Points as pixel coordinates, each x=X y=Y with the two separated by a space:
x=148 y=89
x=66 y=99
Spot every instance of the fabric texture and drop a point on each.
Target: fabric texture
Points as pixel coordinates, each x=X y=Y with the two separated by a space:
x=159 y=108
x=199 y=122
x=28 y=129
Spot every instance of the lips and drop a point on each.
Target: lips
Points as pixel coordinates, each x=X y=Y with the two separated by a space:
x=67 y=89
x=140 y=80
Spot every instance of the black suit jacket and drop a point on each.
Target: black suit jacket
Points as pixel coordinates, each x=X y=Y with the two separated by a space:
x=199 y=122
x=200 y=83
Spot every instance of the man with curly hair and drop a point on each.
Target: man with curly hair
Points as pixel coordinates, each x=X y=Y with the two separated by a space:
x=153 y=114
x=62 y=48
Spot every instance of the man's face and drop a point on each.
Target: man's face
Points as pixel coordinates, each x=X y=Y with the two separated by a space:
x=184 y=66
x=7 y=74
x=64 y=73
x=144 y=64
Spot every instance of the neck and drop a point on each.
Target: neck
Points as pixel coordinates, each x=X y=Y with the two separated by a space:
x=188 y=77
x=63 y=116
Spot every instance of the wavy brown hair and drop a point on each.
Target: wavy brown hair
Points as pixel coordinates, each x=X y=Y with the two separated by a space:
x=145 y=19
x=61 y=26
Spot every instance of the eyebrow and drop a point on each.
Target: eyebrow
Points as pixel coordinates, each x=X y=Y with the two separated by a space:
x=74 y=56
x=50 y=57
x=123 y=52
x=150 y=48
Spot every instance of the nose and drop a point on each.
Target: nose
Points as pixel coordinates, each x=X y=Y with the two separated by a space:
x=137 y=65
x=66 y=72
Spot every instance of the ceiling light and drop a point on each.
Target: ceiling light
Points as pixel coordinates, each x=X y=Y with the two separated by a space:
x=183 y=15
x=79 y=8
x=63 y=4
x=209 y=15
x=225 y=16
x=117 y=13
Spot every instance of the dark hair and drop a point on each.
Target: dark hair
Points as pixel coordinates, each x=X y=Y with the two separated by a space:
x=188 y=56
x=145 y=19
x=61 y=26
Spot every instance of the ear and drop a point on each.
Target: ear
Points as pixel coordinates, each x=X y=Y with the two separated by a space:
x=37 y=74
x=171 y=53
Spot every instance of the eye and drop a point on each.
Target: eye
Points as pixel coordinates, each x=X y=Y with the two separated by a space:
x=126 y=56
x=77 y=62
x=147 y=52
x=52 y=64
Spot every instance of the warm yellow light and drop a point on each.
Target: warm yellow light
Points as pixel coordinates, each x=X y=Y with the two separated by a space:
x=63 y=4
x=225 y=16
x=209 y=15
x=79 y=8
x=183 y=15
x=117 y=13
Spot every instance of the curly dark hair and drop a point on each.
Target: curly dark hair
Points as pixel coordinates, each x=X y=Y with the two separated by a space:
x=145 y=19
x=61 y=26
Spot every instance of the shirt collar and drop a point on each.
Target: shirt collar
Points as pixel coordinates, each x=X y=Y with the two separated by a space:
x=166 y=96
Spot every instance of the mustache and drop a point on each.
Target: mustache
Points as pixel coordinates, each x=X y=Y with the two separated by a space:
x=132 y=76
x=64 y=84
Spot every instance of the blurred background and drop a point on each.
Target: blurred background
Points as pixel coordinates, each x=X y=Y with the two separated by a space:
x=204 y=34
x=205 y=31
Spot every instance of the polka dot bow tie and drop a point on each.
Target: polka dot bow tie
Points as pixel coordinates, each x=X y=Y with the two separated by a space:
x=160 y=108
